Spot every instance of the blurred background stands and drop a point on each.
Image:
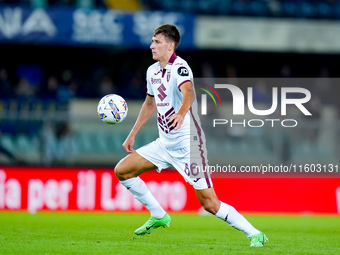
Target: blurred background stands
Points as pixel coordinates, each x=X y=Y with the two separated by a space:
x=48 y=110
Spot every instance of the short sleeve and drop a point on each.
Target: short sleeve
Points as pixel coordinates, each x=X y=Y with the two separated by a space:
x=183 y=74
x=148 y=85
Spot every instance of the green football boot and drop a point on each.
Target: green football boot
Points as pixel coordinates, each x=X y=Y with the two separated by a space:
x=154 y=223
x=258 y=240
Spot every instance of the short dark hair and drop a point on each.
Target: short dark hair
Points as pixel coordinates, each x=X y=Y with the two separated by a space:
x=170 y=32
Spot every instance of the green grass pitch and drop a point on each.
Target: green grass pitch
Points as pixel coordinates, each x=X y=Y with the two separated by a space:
x=105 y=233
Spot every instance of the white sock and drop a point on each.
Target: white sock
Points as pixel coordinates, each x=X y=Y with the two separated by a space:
x=138 y=188
x=235 y=219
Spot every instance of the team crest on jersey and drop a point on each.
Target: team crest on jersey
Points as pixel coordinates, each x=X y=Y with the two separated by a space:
x=168 y=74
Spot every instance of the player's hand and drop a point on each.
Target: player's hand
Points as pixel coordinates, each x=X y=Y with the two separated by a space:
x=128 y=144
x=176 y=120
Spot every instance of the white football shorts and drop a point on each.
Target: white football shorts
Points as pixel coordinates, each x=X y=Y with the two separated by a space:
x=181 y=160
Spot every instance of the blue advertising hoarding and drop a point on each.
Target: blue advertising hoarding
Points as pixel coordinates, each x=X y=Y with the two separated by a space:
x=65 y=26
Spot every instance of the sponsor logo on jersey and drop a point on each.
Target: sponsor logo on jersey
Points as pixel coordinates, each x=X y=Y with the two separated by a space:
x=182 y=71
x=158 y=72
x=156 y=81
x=161 y=94
x=163 y=104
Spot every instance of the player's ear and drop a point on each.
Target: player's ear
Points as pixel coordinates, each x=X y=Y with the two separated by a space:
x=171 y=46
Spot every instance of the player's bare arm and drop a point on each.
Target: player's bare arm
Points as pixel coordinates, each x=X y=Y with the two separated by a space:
x=148 y=108
x=188 y=98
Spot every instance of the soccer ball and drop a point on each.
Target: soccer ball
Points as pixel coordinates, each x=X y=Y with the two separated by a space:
x=112 y=109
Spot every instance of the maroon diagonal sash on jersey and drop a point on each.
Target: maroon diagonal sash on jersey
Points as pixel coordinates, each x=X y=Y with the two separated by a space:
x=163 y=123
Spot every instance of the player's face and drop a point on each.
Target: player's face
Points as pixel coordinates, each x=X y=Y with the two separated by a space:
x=160 y=47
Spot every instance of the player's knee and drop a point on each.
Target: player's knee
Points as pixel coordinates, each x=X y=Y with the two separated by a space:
x=124 y=170
x=120 y=172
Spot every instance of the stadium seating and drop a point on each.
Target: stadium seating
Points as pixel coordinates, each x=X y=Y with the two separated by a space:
x=310 y=9
x=285 y=8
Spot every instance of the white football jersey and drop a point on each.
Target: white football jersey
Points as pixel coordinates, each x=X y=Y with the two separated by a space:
x=164 y=85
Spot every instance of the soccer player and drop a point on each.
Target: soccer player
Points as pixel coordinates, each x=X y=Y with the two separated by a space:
x=170 y=91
